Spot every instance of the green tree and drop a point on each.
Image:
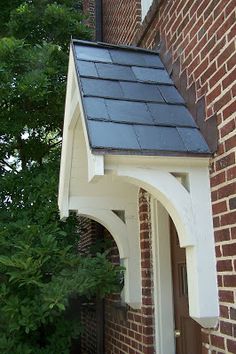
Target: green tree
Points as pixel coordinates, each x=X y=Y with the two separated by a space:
x=39 y=266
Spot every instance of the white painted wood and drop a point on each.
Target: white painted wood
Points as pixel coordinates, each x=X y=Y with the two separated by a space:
x=163 y=297
x=65 y=165
x=201 y=262
x=126 y=236
x=145 y=5
x=167 y=189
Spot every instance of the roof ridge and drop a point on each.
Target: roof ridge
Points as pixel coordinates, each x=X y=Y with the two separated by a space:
x=115 y=46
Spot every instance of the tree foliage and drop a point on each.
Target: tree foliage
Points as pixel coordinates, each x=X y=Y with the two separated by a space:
x=40 y=268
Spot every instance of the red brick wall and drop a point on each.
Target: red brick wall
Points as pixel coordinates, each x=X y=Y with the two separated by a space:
x=89 y=10
x=89 y=232
x=197 y=41
x=121 y=20
x=132 y=331
x=201 y=36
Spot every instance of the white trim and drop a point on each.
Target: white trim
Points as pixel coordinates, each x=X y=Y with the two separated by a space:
x=145 y=6
x=163 y=294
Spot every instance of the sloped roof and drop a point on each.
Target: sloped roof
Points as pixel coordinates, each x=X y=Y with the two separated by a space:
x=131 y=104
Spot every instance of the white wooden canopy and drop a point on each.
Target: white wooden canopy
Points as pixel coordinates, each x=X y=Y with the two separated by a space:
x=96 y=185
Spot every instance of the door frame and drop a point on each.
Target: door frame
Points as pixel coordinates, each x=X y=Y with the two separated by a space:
x=163 y=285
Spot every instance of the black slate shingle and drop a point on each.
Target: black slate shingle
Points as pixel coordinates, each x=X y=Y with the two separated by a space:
x=151 y=75
x=112 y=136
x=96 y=108
x=170 y=94
x=173 y=115
x=159 y=138
x=141 y=92
x=87 y=68
x=101 y=88
x=92 y=53
x=132 y=112
x=116 y=72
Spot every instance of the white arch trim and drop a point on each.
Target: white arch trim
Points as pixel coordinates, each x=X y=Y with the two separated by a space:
x=127 y=240
x=191 y=213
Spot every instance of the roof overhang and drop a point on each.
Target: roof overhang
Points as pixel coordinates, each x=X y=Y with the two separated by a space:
x=97 y=184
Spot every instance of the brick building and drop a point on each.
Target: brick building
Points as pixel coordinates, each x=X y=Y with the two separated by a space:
x=154 y=195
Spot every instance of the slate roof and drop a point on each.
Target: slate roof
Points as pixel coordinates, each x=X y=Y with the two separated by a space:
x=130 y=103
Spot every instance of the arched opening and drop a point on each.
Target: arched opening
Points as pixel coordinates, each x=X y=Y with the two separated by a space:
x=95 y=238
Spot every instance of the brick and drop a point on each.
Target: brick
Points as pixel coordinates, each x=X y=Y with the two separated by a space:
x=226 y=328
x=209 y=72
x=214 y=196
x=227 y=128
x=217 y=76
x=230 y=281
x=232 y=33
x=209 y=9
x=233 y=313
x=232 y=203
x=218 y=251
x=233 y=90
x=225 y=161
x=216 y=221
x=217 y=179
x=212 y=95
x=147 y=301
x=224 y=311
x=230 y=7
x=146 y=292
x=226 y=26
x=147 y=339
x=201 y=43
x=228 y=80
x=222 y=101
x=228 y=219
x=201 y=68
x=230 y=143
x=231 y=173
x=226 y=54
x=144 y=208
x=221 y=146
x=146 y=283
x=224 y=265
x=229 y=249
x=217 y=341
x=219 y=281
x=215 y=25
x=233 y=233
x=222 y=235
x=208 y=47
x=226 y=296
x=231 y=345
x=186 y=8
x=196 y=25
x=219 y=207
x=230 y=64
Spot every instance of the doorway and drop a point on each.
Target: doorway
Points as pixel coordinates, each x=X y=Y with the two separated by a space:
x=170 y=283
x=187 y=331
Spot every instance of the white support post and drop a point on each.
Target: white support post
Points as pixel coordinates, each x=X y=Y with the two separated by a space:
x=201 y=263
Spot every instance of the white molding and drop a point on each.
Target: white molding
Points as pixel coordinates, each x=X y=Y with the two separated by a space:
x=163 y=294
x=126 y=236
x=145 y=6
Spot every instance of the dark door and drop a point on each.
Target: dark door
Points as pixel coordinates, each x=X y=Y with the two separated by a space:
x=187 y=331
